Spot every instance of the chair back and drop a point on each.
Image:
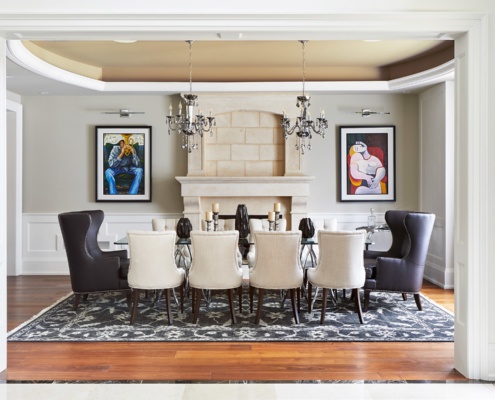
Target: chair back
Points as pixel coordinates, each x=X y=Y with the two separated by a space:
x=419 y=227
x=96 y=219
x=340 y=260
x=215 y=263
x=277 y=262
x=75 y=228
x=400 y=239
x=163 y=224
x=152 y=264
x=328 y=224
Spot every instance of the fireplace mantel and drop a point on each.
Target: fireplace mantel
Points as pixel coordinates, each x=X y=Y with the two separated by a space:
x=293 y=188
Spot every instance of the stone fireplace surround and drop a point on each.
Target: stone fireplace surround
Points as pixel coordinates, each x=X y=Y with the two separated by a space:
x=291 y=188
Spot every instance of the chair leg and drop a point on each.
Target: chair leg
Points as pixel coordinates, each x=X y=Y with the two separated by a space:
x=169 y=311
x=239 y=291
x=134 y=306
x=417 y=298
x=77 y=300
x=323 y=305
x=231 y=305
x=404 y=296
x=251 y=295
x=128 y=299
x=193 y=298
x=366 y=299
x=310 y=296
x=293 y=302
x=357 y=303
x=298 y=299
x=85 y=296
x=182 y=288
x=260 y=304
x=197 y=295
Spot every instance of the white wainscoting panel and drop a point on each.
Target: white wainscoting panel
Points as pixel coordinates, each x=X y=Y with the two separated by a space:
x=43 y=251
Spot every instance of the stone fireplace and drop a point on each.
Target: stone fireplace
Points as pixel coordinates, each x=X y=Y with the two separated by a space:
x=246 y=161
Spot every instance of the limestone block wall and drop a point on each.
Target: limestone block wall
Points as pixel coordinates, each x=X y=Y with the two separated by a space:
x=245 y=143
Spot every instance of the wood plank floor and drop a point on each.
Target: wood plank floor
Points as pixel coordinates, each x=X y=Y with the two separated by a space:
x=27 y=295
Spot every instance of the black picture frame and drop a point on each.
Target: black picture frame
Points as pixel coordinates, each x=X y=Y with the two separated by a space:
x=129 y=178
x=367 y=163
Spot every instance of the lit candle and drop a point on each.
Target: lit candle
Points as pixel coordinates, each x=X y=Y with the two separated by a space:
x=170 y=109
x=180 y=107
x=271 y=215
x=209 y=215
x=276 y=207
x=283 y=113
x=215 y=207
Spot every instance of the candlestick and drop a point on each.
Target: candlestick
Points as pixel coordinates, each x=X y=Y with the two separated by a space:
x=215 y=207
x=270 y=225
x=215 y=221
x=277 y=214
x=208 y=226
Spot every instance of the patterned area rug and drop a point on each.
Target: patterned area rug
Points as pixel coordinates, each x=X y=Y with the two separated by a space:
x=105 y=317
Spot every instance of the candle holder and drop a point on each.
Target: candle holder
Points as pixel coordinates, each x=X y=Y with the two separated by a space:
x=215 y=221
x=277 y=215
x=270 y=225
x=208 y=226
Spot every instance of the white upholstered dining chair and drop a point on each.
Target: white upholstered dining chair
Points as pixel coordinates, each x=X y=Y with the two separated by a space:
x=256 y=225
x=340 y=266
x=215 y=266
x=152 y=266
x=276 y=267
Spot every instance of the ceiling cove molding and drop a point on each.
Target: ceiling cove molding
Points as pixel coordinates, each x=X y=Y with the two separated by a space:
x=18 y=53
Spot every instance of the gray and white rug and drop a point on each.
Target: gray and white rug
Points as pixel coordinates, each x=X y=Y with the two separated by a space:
x=105 y=317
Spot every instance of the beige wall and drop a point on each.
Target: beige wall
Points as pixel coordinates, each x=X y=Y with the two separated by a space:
x=59 y=148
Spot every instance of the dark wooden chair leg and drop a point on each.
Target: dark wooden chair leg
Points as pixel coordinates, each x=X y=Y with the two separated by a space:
x=85 y=296
x=193 y=298
x=404 y=296
x=357 y=303
x=366 y=299
x=239 y=291
x=298 y=300
x=182 y=289
x=231 y=305
x=293 y=302
x=169 y=311
x=260 y=304
x=323 y=305
x=77 y=300
x=197 y=295
x=135 y=305
x=128 y=299
x=417 y=299
x=251 y=295
x=310 y=296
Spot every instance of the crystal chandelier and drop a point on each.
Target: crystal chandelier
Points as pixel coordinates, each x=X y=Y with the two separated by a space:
x=189 y=125
x=304 y=126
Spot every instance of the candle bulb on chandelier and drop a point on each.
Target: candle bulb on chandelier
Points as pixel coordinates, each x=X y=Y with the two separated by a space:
x=180 y=107
x=170 y=109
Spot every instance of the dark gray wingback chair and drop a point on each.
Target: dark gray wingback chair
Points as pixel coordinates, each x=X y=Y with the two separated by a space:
x=91 y=269
x=402 y=273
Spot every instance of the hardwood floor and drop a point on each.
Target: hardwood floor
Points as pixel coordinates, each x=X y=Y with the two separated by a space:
x=27 y=295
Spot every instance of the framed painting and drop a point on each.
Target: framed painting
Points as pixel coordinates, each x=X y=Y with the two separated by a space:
x=367 y=163
x=123 y=163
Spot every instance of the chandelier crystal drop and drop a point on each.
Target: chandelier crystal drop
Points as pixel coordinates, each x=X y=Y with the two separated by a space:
x=304 y=126
x=190 y=125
